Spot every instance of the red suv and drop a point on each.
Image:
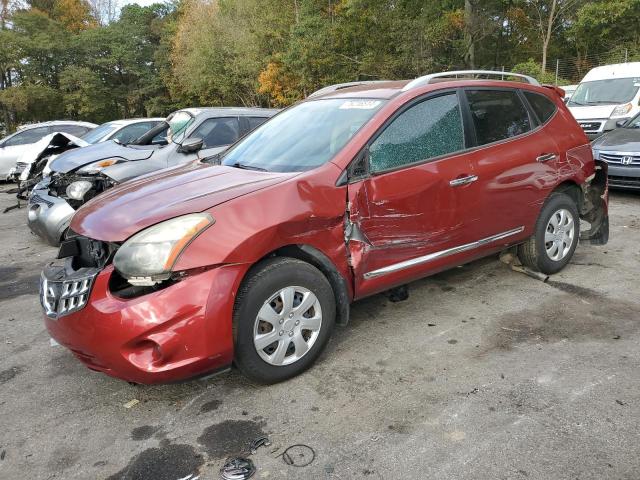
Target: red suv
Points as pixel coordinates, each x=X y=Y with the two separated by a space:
x=253 y=256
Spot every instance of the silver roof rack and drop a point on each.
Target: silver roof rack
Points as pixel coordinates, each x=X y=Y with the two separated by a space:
x=340 y=86
x=425 y=80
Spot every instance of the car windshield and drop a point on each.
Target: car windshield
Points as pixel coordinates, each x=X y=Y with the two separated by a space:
x=612 y=91
x=98 y=133
x=178 y=124
x=302 y=137
x=634 y=122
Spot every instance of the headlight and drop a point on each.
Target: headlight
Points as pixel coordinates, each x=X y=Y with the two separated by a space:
x=97 y=167
x=148 y=256
x=76 y=190
x=621 y=110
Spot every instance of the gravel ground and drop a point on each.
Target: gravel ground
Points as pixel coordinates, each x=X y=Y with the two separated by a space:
x=483 y=373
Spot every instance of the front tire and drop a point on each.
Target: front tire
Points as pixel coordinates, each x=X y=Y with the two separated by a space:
x=283 y=318
x=556 y=234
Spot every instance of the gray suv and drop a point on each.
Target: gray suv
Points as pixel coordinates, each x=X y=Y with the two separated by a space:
x=80 y=174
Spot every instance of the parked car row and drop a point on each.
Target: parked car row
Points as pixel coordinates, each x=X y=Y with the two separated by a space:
x=80 y=174
x=606 y=104
x=250 y=255
x=14 y=146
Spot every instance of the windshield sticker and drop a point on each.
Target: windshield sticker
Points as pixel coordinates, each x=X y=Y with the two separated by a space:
x=359 y=104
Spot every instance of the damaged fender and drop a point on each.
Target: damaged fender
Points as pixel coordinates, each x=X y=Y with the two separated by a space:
x=594 y=206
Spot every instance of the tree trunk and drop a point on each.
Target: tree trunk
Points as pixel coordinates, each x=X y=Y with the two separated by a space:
x=547 y=36
x=470 y=21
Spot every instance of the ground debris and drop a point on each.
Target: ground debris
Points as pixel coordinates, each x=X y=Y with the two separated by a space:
x=131 y=403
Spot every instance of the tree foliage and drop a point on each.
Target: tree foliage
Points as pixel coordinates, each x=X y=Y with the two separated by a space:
x=73 y=58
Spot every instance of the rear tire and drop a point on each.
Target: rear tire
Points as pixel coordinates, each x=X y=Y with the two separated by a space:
x=283 y=318
x=555 y=238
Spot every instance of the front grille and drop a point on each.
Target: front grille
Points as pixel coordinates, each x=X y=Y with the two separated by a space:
x=63 y=291
x=20 y=166
x=629 y=182
x=619 y=159
x=35 y=198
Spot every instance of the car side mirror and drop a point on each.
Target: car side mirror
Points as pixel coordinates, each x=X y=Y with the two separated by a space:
x=191 y=145
x=620 y=123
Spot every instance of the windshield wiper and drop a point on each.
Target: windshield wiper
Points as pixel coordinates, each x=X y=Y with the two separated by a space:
x=248 y=167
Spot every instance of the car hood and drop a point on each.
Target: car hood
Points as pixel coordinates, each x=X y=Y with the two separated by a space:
x=122 y=211
x=590 y=112
x=620 y=140
x=79 y=157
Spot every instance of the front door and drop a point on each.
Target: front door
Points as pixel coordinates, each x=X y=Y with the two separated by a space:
x=406 y=216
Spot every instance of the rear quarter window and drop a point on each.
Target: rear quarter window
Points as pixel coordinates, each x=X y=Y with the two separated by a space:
x=541 y=105
x=497 y=115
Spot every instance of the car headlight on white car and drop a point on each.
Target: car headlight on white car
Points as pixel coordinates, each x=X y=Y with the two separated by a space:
x=148 y=256
x=621 y=110
x=97 y=167
x=77 y=190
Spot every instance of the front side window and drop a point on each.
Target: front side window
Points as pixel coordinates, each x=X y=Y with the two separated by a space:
x=612 y=91
x=497 y=115
x=255 y=122
x=427 y=130
x=27 y=137
x=304 y=136
x=216 y=132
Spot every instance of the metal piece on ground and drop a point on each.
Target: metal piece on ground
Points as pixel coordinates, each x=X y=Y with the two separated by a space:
x=537 y=275
x=511 y=259
x=299 y=455
x=257 y=443
x=238 y=468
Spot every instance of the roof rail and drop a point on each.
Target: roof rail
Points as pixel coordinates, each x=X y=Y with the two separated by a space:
x=340 y=86
x=425 y=80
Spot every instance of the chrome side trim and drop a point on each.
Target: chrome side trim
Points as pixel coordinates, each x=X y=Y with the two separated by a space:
x=443 y=253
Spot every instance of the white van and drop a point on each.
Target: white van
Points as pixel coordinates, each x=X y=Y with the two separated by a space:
x=606 y=97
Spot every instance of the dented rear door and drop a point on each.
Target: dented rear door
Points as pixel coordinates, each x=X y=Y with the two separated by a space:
x=408 y=216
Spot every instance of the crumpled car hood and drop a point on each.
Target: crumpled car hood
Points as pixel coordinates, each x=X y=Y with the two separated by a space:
x=79 y=157
x=124 y=210
x=621 y=140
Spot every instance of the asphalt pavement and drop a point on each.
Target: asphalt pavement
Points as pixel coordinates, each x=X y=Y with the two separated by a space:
x=483 y=373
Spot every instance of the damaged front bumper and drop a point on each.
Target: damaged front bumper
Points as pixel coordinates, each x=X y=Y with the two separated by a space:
x=48 y=216
x=594 y=207
x=173 y=333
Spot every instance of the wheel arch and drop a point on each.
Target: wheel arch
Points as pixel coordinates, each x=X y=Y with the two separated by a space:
x=570 y=188
x=322 y=262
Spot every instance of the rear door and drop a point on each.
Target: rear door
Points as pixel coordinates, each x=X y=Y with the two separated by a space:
x=408 y=196
x=515 y=162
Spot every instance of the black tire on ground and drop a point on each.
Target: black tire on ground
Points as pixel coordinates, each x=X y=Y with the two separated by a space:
x=262 y=282
x=533 y=252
